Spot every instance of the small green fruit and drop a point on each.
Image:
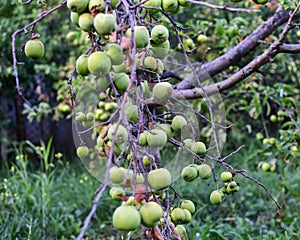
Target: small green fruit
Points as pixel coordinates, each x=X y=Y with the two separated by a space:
x=170 y=6
x=151 y=212
x=116 y=193
x=150 y=63
x=117 y=174
x=82 y=151
x=232 y=187
x=180 y=229
x=167 y=129
x=226 y=176
x=82 y=65
x=294 y=149
x=105 y=24
x=266 y=141
x=86 y=21
x=205 y=171
x=159 y=34
x=141 y=36
x=77 y=5
x=99 y=63
x=202 y=38
x=179 y=123
x=159 y=178
x=157 y=138
x=160 y=66
x=272 y=141
x=265 y=166
x=74 y=16
x=89 y=116
x=115 y=53
x=199 y=148
x=178 y=215
x=216 y=197
x=118 y=132
x=143 y=138
x=189 y=205
x=121 y=81
x=80 y=117
x=131 y=111
x=152 y=3
x=188 y=142
x=188 y=216
x=146 y=161
x=98 y=5
x=160 y=50
x=126 y=218
x=162 y=90
x=189 y=173
x=273 y=118
x=34 y=49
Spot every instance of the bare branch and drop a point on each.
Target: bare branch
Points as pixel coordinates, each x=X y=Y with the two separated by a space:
x=227 y=8
x=289 y=48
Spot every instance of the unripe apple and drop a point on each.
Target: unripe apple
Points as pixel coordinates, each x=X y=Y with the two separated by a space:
x=117 y=174
x=143 y=138
x=114 y=3
x=121 y=81
x=77 y=5
x=85 y=22
x=202 y=38
x=232 y=187
x=100 y=141
x=150 y=63
x=145 y=87
x=178 y=215
x=189 y=173
x=259 y=136
x=88 y=124
x=82 y=65
x=188 y=216
x=170 y=6
x=126 y=218
x=119 y=133
x=265 y=166
x=141 y=36
x=152 y=3
x=116 y=193
x=198 y=148
x=89 y=116
x=266 y=141
x=131 y=111
x=105 y=24
x=216 y=197
x=226 y=176
x=151 y=212
x=80 y=117
x=74 y=16
x=294 y=149
x=98 y=5
x=160 y=66
x=160 y=50
x=183 y=3
x=189 y=44
x=102 y=83
x=162 y=90
x=159 y=178
x=34 y=49
x=180 y=229
x=272 y=141
x=189 y=205
x=179 y=123
x=120 y=68
x=157 y=138
x=298 y=33
x=205 y=171
x=273 y=118
x=167 y=129
x=188 y=142
x=115 y=53
x=99 y=63
x=146 y=161
x=82 y=151
x=159 y=34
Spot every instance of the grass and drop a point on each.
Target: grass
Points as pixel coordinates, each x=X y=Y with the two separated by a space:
x=51 y=202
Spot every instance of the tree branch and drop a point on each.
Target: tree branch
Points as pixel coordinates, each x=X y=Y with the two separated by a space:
x=206 y=4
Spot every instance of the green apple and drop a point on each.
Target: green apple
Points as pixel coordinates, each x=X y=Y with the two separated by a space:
x=162 y=90
x=265 y=166
x=188 y=216
x=74 y=16
x=145 y=88
x=205 y=171
x=298 y=33
x=273 y=118
x=160 y=50
x=99 y=63
x=117 y=174
x=180 y=229
x=157 y=138
x=160 y=66
x=143 y=138
x=120 y=68
x=114 y=3
x=170 y=6
x=89 y=116
x=159 y=34
x=146 y=161
x=80 y=117
x=82 y=151
x=232 y=187
x=77 y=5
x=272 y=141
x=88 y=124
x=266 y=141
x=98 y=5
x=202 y=38
x=115 y=53
x=183 y=3
x=152 y=3
x=116 y=193
x=126 y=218
x=150 y=63
x=188 y=143
x=34 y=49
x=151 y=212
x=189 y=173
x=294 y=149
x=105 y=23
x=179 y=123
x=119 y=133
x=141 y=36
x=178 y=215
x=131 y=111
x=226 y=176
x=82 y=65
x=189 y=44
x=86 y=21
x=167 y=129
x=121 y=81
x=216 y=197
x=189 y=205
x=198 y=148
x=159 y=178
x=102 y=83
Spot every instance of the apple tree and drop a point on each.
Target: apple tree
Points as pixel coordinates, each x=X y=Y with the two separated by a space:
x=149 y=85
